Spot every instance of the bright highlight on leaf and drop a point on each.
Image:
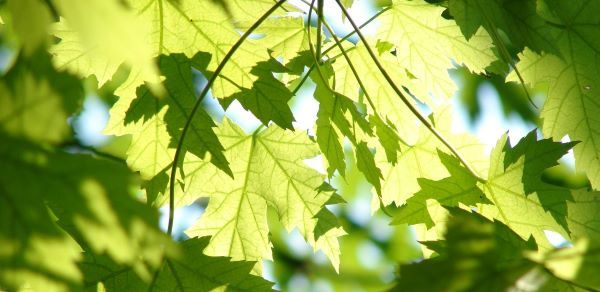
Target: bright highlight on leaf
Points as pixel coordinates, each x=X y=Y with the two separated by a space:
x=268 y=172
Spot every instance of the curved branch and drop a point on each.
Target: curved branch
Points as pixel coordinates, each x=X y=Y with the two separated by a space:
x=404 y=99
x=318 y=67
x=360 y=26
x=199 y=101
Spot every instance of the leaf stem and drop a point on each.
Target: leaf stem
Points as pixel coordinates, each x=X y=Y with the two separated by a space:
x=360 y=26
x=304 y=78
x=327 y=50
x=79 y=147
x=367 y=96
x=338 y=43
x=325 y=82
x=404 y=99
x=354 y=71
x=319 y=28
x=204 y=92
x=493 y=31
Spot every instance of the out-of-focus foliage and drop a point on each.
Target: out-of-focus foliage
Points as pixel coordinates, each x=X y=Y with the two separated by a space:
x=379 y=191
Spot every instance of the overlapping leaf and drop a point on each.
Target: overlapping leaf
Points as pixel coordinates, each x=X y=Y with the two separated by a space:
x=189 y=271
x=169 y=27
x=428 y=45
x=268 y=97
x=385 y=100
x=333 y=121
x=421 y=161
x=514 y=187
x=517 y=19
x=572 y=104
x=36 y=100
x=98 y=36
x=477 y=255
x=156 y=124
x=459 y=188
x=90 y=198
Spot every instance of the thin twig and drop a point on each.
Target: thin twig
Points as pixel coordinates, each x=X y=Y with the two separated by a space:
x=92 y=150
x=404 y=99
x=199 y=101
x=319 y=28
x=321 y=76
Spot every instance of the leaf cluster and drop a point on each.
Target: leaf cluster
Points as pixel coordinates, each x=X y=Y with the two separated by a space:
x=73 y=217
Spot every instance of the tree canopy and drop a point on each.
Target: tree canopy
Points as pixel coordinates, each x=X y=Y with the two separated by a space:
x=82 y=216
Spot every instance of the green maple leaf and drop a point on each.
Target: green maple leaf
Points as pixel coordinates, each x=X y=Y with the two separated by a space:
x=477 y=255
x=459 y=187
x=365 y=162
x=332 y=117
x=583 y=214
x=427 y=45
x=521 y=200
x=91 y=199
x=181 y=97
x=571 y=107
x=388 y=137
x=171 y=27
x=519 y=20
x=420 y=160
x=30 y=21
x=36 y=100
x=190 y=270
x=269 y=172
x=386 y=101
x=156 y=124
x=98 y=36
x=333 y=123
x=283 y=36
x=268 y=97
x=578 y=264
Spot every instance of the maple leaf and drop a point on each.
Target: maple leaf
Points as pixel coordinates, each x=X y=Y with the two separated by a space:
x=477 y=255
x=156 y=124
x=421 y=160
x=460 y=187
x=98 y=36
x=514 y=176
x=36 y=100
x=30 y=21
x=168 y=27
x=268 y=171
x=89 y=198
x=385 y=99
x=332 y=121
x=517 y=19
x=427 y=45
x=577 y=264
x=571 y=78
x=268 y=97
x=186 y=271
x=521 y=200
